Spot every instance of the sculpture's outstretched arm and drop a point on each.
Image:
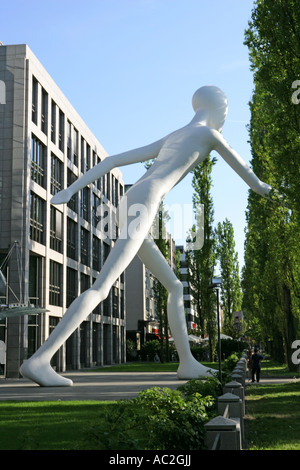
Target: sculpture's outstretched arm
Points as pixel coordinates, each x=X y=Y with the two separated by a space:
x=141 y=154
x=239 y=166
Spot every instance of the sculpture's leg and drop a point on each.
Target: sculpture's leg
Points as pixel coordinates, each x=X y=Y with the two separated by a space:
x=38 y=368
x=151 y=256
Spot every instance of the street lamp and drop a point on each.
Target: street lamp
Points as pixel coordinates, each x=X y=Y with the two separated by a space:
x=216 y=283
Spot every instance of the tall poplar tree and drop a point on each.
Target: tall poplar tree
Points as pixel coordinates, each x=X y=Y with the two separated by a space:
x=202 y=262
x=231 y=294
x=271 y=276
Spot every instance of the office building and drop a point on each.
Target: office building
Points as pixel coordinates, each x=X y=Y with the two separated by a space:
x=44 y=147
x=189 y=303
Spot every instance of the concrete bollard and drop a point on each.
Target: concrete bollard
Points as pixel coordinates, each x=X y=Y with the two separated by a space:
x=228 y=430
x=237 y=389
x=238 y=377
x=235 y=409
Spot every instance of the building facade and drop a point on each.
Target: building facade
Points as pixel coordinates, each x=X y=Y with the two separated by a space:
x=44 y=147
x=189 y=304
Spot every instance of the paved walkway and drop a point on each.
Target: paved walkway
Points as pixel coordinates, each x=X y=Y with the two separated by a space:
x=89 y=386
x=102 y=385
x=274 y=380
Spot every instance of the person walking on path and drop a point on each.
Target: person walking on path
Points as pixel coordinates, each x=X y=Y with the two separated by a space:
x=256 y=365
x=249 y=364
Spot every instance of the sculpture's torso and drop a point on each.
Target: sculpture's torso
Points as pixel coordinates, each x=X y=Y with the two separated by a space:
x=180 y=153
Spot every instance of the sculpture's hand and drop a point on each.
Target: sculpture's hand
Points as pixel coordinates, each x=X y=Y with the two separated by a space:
x=62 y=197
x=264 y=189
x=275 y=196
x=272 y=194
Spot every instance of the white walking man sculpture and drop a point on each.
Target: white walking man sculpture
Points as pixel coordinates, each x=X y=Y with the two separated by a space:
x=175 y=156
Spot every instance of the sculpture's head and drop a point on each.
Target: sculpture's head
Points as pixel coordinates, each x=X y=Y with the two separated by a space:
x=213 y=102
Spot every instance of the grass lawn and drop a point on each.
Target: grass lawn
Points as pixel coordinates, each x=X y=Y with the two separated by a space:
x=273 y=415
x=49 y=425
x=148 y=367
x=272 y=368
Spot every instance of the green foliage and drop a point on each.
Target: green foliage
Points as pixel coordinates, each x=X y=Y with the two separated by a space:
x=153 y=347
x=130 y=348
x=230 y=362
x=230 y=346
x=208 y=386
x=173 y=422
x=200 y=351
x=201 y=263
x=231 y=294
x=271 y=277
x=158 y=419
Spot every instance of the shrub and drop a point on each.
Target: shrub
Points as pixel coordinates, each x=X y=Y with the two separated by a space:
x=230 y=362
x=150 y=349
x=153 y=347
x=200 y=352
x=230 y=346
x=158 y=419
x=205 y=386
x=173 y=421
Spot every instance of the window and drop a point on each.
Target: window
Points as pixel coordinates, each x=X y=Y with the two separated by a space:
x=96 y=253
x=34 y=281
x=115 y=192
x=122 y=304
x=37 y=211
x=75 y=148
x=56 y=177
x=84 y=238
x=69 y=140
x=53 y=122
x=71 y=239
x=106 y=306
x=84 y=282
x=96 y=204
x=88 y=157
x=32 y=332
x=38 y=161
x=82 y=167
x=71 y=285
x=108 y=186
x=85 y=204
x=115 y=302
x=106 y=249
x=99 y=181
x=56 y=219
x=103 y=184
x=61 y=135
x=95 y=159
x=34 y=100
x=44 y=114
x=73 y=203
x=55 y=292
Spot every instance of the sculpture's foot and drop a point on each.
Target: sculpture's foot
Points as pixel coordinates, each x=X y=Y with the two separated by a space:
x=192 y=369
x=43 y=374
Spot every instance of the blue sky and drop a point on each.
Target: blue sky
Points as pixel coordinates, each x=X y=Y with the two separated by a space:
x=130 y=68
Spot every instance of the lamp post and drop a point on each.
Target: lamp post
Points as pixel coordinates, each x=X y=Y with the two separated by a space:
x=216 y=284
